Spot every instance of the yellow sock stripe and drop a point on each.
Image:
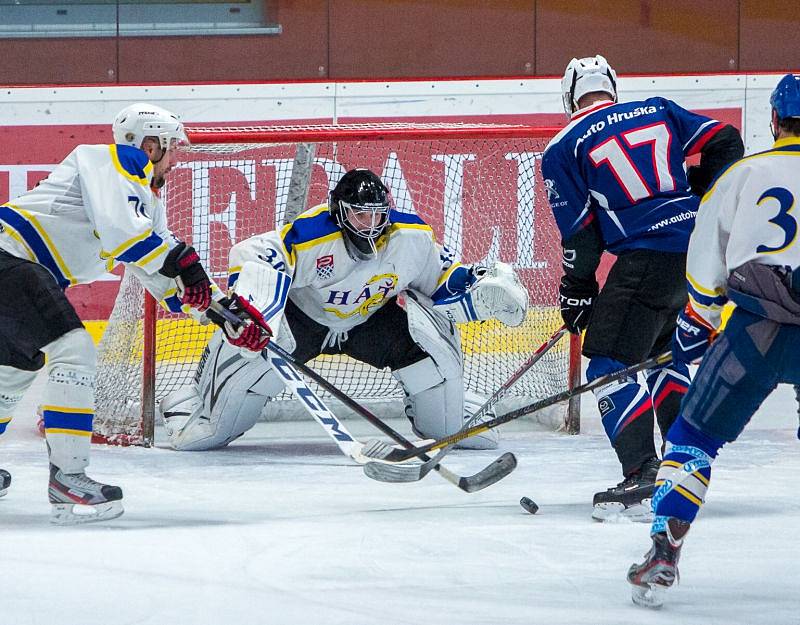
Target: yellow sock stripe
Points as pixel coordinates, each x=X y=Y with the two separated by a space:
x=68 y=409
x=689 y=495
x=702 y=478
x=67 y=432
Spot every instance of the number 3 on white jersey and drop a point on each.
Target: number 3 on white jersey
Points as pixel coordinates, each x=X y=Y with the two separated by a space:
x=612 y=153
x=784 y=220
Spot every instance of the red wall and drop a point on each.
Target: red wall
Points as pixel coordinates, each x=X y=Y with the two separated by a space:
x=391 y=38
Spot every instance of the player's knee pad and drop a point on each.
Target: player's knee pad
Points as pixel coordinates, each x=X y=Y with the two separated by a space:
x=435 y=404
x=68 y=402
x=685 y=473
x=228 y=396
x=667 y=386
x=622 y=402
x=13 y=384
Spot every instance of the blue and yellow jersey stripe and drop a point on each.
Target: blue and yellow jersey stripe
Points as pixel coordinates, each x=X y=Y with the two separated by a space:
x=233 y=275
x=67 y=420
x=704 y=297
x=140 y=249
x=24 y=227
x=408 y=221
x=789 y=146
x=132 y=163
x=312 y=228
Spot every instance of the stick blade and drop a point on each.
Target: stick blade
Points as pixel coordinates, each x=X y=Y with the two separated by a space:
x=491 y=474
x=383 y=471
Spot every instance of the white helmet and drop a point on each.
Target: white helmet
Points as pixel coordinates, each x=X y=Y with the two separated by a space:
x=583 y=76
x=137 y=121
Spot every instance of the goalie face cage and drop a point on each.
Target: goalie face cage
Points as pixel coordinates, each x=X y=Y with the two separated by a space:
x=477 y=185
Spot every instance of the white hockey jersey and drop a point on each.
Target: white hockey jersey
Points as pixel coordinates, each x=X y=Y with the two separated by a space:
x=94 y=210
x=337 y=291
x=745 y=216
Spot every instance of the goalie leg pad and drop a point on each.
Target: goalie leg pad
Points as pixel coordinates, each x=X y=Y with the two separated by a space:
x=13 y=384
x=226 y=400
x=435 y=405
x=68 y=401
x=434 y=386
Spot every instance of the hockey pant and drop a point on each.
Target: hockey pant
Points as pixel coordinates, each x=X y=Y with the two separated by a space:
x=37 y=320
x=743 y=366
x=628 y=408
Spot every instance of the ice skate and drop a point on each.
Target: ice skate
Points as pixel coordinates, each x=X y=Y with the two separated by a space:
x=77 y=498
x=651 y=578
x=630 y=499
x=5 y=481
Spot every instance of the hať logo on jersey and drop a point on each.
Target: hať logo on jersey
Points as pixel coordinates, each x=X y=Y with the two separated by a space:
x=366 y=299
x=325 y=267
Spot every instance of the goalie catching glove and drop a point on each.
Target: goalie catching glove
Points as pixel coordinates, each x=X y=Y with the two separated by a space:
x=194 y=286
x=496 y=293
x=252 y=334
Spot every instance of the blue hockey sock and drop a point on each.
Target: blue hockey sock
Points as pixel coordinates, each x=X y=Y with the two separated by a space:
x=620 y=403
x=667 y=385
x=684 y=475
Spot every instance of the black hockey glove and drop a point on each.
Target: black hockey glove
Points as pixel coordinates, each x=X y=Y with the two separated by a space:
x=577 y=298
x=194 y=287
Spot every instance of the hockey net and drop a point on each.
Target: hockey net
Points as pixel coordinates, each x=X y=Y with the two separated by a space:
x=477 y=185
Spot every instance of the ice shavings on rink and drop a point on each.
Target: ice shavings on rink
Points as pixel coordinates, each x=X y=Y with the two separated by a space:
x=281 y=528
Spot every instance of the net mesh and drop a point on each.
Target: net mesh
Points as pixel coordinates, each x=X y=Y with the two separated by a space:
x=482 y=195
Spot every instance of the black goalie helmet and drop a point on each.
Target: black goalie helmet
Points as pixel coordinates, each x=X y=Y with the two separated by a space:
x=360 y=205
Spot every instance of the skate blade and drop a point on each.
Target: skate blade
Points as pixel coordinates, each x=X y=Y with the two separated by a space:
x=3 y=492
x=77 y=514
x=615 y=512
x=650 y=596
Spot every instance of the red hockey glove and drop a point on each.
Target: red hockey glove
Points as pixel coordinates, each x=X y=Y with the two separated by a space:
x=253 y=333
x=194 y=287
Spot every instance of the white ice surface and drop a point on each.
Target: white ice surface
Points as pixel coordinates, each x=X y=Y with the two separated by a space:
x=280 y=528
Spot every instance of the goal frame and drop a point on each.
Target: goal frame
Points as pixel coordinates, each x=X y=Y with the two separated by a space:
x=399 y=131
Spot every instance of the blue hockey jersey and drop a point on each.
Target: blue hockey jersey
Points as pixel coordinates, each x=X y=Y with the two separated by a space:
x=623 y=165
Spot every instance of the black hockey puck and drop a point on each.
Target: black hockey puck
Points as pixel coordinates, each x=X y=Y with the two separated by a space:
x=529 y=505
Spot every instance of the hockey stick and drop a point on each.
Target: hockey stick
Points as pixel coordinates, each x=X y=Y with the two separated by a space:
x=412 y=473
x=286 y=364
x=398 y=455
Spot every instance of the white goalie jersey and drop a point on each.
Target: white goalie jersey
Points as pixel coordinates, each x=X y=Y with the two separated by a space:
x=95 y=210
x=339 y=292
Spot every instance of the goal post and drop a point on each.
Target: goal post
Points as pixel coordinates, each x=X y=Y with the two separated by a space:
x=477 y=185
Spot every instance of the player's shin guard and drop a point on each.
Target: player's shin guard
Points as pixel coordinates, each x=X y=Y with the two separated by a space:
x=684 y=475
x=667 y=386
x=13 y=384
x=68 y=402
x=627 y=413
